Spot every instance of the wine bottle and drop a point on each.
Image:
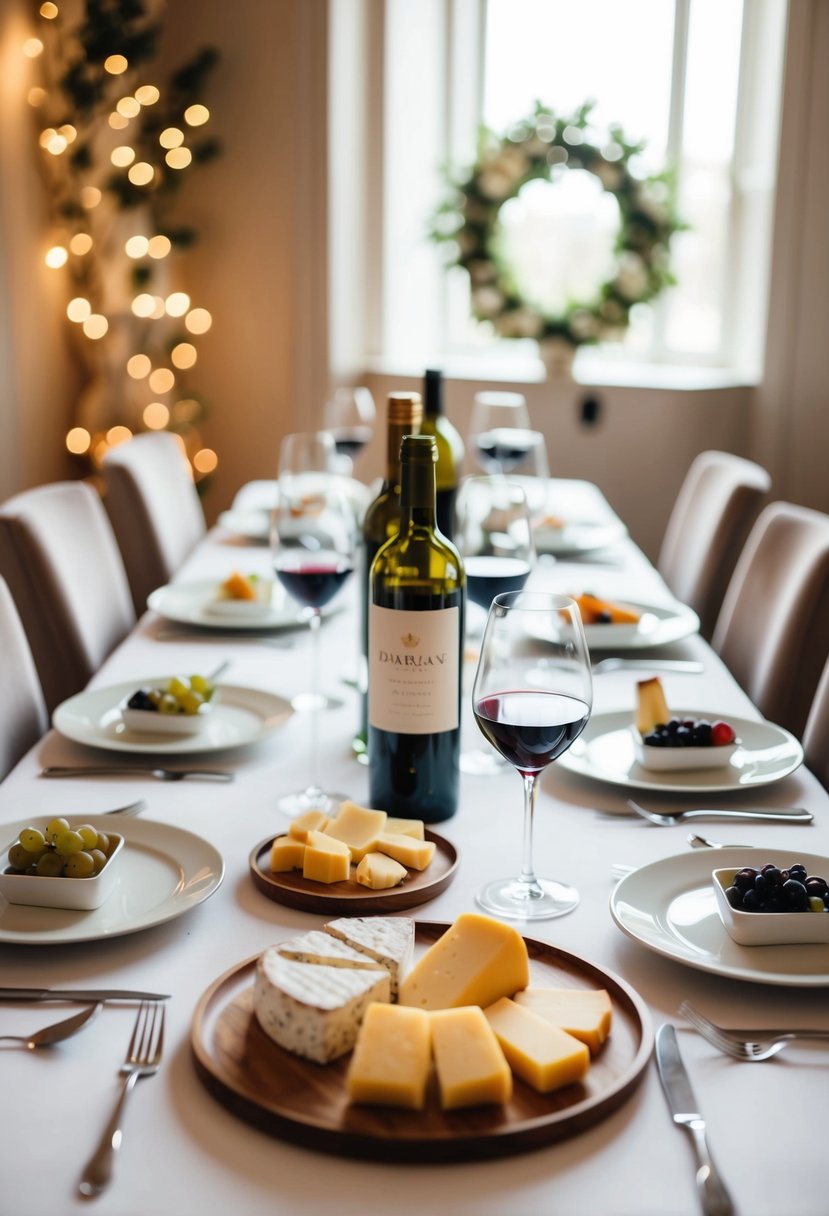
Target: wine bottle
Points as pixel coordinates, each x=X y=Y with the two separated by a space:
x=382 y=519
x=450 y=449
x=416 y=611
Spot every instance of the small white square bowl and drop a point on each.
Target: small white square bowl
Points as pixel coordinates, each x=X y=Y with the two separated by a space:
x=767 y=928
x=82 y=894
x=149 y=721
x=673 y=759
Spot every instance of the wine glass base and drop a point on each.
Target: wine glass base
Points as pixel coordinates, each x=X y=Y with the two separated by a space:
x=310 y=799
x=306 y=702
x=480 y=763
x=514 y=899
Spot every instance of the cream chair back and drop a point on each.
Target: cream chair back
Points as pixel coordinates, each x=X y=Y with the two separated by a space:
x=22 y=709
x=714 y=510
x=773 y=630
x=60 y=559
x=816 y=734
x=154 y=508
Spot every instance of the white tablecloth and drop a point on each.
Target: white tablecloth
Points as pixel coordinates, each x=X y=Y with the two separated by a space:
x=185 y=1153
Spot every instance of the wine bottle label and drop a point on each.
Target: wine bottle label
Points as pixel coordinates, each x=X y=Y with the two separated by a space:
x=413 y=670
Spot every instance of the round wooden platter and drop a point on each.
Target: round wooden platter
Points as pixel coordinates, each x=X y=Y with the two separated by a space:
x=349 y=898
x=306 y=1103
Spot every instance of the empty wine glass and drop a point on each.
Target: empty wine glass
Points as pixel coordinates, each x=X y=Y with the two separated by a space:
x=531 y=700
x=349 y=416
x=313 y=536
x=502 y=438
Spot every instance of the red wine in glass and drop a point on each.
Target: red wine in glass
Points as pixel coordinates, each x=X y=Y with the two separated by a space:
x=530 y=729
x=312 y=581
x=488 y=576
x=350 y=440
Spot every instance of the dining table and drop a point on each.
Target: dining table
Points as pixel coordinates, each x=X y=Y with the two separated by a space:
x=187 y=1149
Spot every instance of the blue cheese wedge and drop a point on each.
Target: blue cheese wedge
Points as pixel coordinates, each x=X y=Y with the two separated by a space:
x=327 y=951
x=312 y=1010
x=386 y=939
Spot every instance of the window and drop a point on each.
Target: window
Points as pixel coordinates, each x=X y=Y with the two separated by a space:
x=698 y=80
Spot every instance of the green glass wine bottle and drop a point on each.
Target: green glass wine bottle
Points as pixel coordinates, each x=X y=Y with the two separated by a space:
x=382 y=519
x=450 y=449
x=416 y=611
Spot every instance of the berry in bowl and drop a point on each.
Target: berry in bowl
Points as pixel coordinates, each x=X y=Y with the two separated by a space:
x=663 y=741
x=55 y=865
x=774 y=903
x=173 y=707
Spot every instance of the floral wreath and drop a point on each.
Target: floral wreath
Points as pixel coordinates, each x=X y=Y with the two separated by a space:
x=543 y=146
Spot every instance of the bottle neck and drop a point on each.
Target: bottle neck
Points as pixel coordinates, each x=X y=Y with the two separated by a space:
x=417 y=495
x=433 y=394
x=396 y=431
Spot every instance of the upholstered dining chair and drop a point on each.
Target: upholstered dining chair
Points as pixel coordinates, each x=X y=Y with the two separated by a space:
x=816 y=734
x=58 y=555
x=22 y=709
x=708 y=525
x=773 y=628
x=154 y=508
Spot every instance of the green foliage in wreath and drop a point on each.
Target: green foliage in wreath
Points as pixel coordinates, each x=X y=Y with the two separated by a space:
x=543 y=146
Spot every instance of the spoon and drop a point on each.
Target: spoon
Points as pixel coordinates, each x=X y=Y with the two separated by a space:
x=58 y=1031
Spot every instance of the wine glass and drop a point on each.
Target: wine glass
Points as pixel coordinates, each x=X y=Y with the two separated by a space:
x=313 y=539
x=531 y=700
x=349 y=416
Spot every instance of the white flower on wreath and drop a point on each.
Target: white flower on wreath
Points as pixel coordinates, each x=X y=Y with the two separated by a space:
x=518 y=323
x=583 y=325
x=653 y=203
x=632 y=277
x=612 y=312
x=487 y=301
x=609 y=175
x=501 y=171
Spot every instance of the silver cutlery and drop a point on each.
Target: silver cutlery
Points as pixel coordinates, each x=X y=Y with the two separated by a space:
x=685 y=1112
x=132 y=808
x=58 y=1031
x=704 y=842
x=181 y=635
x=613 y=663
x=110 y=770
x=749 y=1044
x=79 y=994
x=785 y=814
x=143 y=1059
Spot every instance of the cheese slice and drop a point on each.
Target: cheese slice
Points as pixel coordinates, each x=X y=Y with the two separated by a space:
x=390 y=1065
x=416 y=854
x=405 y=827
x=380 y=872
x=542 y=1055
x=286 y=854
x=358 y=827
x=326 y=859
x=308 y=821
x=313 y=1011
x=471 y=1066
x=386 y=939
x=586 y=1014
x=325 y=950
x=477 y=960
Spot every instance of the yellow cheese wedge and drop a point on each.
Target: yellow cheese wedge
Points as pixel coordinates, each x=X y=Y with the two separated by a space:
x=379 y=872
x=416 y=854
x=326 y=859
x=390 y=1064
x=470 y=1064
x=308 y=821
x=405 y=827
x=286 y=854
x=358 y=827
x=586 y=1014
x=542 y=1055
x=477 y=960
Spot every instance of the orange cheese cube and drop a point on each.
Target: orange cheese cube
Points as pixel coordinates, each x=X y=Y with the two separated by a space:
x=416 y=854
x=308 y=821
x=542 y=1055
x=390 y=1064
x=476 y=961
x=358 y=827
x=470 y=1064
x=286 y=854
x=586 y=1014
x=326 y=859
x=379 y=872
x=405 y=827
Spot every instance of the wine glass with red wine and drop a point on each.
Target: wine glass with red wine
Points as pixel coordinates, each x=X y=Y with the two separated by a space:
x=350 y=416
x=531 y=700
x=313 y=538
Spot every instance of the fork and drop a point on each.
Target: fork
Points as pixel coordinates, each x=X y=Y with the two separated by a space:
x=767 y=1043
x=788 y=814
x=142 y=1060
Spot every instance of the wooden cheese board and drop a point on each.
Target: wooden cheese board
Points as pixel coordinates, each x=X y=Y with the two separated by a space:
x=349 y=898
x=306 y=1103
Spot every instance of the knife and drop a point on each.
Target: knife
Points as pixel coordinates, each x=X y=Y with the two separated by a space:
x=613 y=663
x=683 y=1105
x=106 y=770
x=79 y=994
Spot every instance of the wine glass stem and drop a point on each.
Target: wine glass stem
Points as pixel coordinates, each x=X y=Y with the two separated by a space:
x=314 y=624
x=528 y=878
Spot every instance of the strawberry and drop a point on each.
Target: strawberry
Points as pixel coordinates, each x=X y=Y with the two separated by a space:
x=722 y=734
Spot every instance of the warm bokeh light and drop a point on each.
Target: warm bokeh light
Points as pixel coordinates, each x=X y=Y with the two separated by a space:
x=118 y=122
x=32 y=47
x=68 y=132
x=141 y=173
x=162 y=380
x=205 y=461
x=57 y=144
x=159 y=246
x=116 y=65
x=183 y=355
x=48 y=10
x=139 y=366
x=56 y=257
x=143 y=305
x=81 y=243
x=136 y=247
x=186 y=410
x=122 y=156
x=118 y=434
x=36 y=96
x=90 y=197
x=146 y=94
x=196 y=116
x=156 y=416
x=128 y=107
x=179 y=158
x=158 y=308
x=78 y=441
x=46 y=136
x=95 y=326
x=198 y=321
x=78 y=309
x=182 y=445
x=171 y=137
x=177 y=304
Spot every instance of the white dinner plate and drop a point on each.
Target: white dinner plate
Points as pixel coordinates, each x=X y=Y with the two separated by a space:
x=576 y=536
x=658 y=625
x=605 y=752
x=238 y=716
x=253 y=523
x=198 y=603
x=250 y=511
x=164 y=872
x=669 y=906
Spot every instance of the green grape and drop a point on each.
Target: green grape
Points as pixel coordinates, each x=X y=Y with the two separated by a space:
x=88 y=835
x=168 y=704
x=50 y=865
x=33 y=840
x=99 y=860
x=192 y=702
x=69 y=842
x=199 y=684
x=19 y=857
x=178 y=687
x=80 y=865
x=54 y=828
x=103 y=843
